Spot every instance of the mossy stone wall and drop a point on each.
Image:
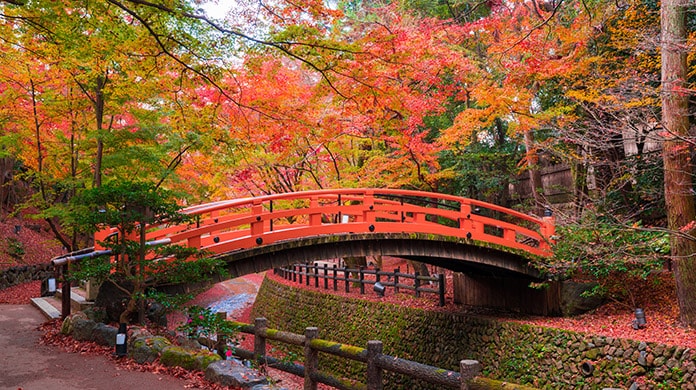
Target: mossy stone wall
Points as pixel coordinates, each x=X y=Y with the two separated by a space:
x=508 y=351
x=24 y=273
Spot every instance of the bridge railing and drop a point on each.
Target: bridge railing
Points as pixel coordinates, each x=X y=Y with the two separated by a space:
x=231 y=225
x=372 y=356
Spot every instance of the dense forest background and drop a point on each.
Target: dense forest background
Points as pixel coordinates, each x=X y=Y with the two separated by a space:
x=473 y=98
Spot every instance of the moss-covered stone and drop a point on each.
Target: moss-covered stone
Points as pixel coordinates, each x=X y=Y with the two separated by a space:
x=159 y=343
x=203 y=360
x=174 y=356
x=66 y=327
x=593 y=353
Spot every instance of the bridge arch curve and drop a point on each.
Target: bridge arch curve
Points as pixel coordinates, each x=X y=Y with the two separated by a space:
x=459 y=255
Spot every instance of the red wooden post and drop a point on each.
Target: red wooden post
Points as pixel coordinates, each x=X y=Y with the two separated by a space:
x=465 y=217
x=368 y=207
x=257 y=225
x=194 y=242
x=510 y=235
x=314 y=214
x=547 y=230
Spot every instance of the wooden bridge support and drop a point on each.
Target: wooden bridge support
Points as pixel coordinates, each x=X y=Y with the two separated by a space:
x=507 y=293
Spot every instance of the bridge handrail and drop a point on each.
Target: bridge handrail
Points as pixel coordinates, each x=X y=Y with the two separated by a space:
x=254 y=221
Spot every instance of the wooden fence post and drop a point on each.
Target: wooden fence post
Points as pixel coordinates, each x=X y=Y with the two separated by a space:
x=316 y=275
x=221 y=343
x=260 y=326
x=311 y=359
x=326 y=278
x=361 y=272
x=306 y=274
x=416 y=283
x=335 y=278
x=441 y=288
x=299 y=272
x=66 y=289
x=396 y=280
x=468 y=370
x=346 y=276
x=374 y=373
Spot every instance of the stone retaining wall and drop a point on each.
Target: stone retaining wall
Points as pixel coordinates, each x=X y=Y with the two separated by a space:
x=24 y=273
x=508 y=351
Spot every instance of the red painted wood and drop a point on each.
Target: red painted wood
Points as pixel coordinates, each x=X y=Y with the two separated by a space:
x=244 y=223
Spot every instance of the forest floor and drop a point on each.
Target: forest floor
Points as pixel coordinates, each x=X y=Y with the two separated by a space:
x=657 y=298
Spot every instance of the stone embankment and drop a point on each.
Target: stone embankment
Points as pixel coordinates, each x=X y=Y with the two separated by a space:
x=508 y=351
x=25 y=273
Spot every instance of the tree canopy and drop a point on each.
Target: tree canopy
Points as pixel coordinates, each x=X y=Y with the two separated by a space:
x=466 y=97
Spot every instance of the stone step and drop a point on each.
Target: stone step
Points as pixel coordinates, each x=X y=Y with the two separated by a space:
x=51 y=306
x=48 y=306
x=78 y=302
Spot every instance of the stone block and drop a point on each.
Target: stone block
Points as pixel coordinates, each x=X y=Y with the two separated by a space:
x=82 y=329
x=141 y=351
x=227 y=373
x=178 y=357
x=104 y=334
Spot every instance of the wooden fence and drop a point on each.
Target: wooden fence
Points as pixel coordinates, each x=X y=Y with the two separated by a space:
x=376 y=361
x=382 y=279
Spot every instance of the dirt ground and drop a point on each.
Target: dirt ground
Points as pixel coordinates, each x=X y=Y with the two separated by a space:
x=25 y=364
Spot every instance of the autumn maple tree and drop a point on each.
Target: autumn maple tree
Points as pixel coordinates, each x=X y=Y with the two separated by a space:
x=460 y=96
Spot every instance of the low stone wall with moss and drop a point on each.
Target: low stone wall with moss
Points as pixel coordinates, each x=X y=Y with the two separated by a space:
x=508 y=351
x=24 y=273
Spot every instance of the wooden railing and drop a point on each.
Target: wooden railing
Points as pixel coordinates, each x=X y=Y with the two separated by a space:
x=382 y=279
x=237 y=224
x=376 y=361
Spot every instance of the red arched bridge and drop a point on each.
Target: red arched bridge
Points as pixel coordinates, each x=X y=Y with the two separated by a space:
x=255 y=234
x=491 y=246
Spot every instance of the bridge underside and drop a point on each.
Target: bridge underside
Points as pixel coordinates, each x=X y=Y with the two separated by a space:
x=455 y=254
x=487 y=277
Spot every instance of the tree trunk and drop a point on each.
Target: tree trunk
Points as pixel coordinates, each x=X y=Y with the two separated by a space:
x=678 y=181
x=534 y=173
x=98 y=102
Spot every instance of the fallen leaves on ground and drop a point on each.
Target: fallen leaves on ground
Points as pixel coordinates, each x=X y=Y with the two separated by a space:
x=52 y=336
x=21 y=294
x=32 y=237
